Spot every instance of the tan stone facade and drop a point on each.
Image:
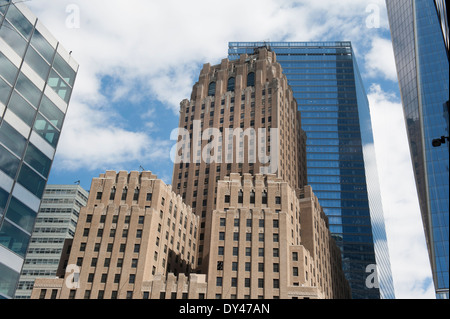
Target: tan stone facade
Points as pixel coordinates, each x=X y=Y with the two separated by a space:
x=132 y=229
x=257 y=243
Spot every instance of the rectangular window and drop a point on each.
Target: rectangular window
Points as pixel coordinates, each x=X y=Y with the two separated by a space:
x=22 y=108
x=31 y=181
x=276 y=267
x=37 y=63
x=8 y=163
x=59 y=86
x=28 y=90
x=46 y=130
x=40 y=162
x=12 y=139
x=276 y=283
x=8 y=70
x=20 y=214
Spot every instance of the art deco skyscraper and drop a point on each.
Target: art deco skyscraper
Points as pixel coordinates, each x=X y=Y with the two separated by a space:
x=36 y=79
x=421 y=56
x=329 y=91
x=243 y=97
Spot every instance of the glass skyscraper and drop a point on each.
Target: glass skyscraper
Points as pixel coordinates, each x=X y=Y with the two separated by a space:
x=36 y=80
x=340 y=154
x=419 y=42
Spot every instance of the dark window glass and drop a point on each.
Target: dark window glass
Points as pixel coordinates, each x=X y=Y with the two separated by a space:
x=251 y=79
x=64 y=70
x=13 y=238
x=5 y=89
x=28 y=90
x=231 y=84
x=42 y=46
x=19 y=21
x=8 y=163
x=40 y=162
x=37 y=63
x=13 y=38
x=7 y=69
x=21 y=214
x=212 y=89
x=31 y=181
x=22 y=108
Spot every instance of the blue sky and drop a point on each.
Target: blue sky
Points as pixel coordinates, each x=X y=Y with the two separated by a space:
x=140 y=58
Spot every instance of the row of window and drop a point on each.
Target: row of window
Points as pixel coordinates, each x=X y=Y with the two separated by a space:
x=231 y=84
x=252 y=198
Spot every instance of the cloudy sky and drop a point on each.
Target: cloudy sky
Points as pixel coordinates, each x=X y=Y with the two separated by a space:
x=140 y=58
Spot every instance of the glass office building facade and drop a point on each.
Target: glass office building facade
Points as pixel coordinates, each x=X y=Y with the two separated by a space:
x=36 y=80
x=56 y=221
x=423 y=73
x=340 y=155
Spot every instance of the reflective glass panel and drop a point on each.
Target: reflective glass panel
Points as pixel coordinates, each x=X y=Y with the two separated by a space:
x=38 y=160
x=3 y=198
x=22 y=108
x=8 y=278
x=37 y=63
x=7 y=69
x=59 y=86
x=13 y=238
x=42 y=46
x=28 y=90
x=46 y=130
x=20 y=214
x=19 y=21
x=64 y=69
x=5 y=90
x=31 y=181
x=12 y=139
x=8 y=162
x=13 y=38
x=51 y=112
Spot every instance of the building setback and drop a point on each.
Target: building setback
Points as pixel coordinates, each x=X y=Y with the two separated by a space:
x=56 y=221
x=421 y=58
x=36 y=79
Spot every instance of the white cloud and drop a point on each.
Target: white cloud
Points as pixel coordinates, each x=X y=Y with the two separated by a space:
x=380 y=60
x=90 y=140
x=409 y=256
